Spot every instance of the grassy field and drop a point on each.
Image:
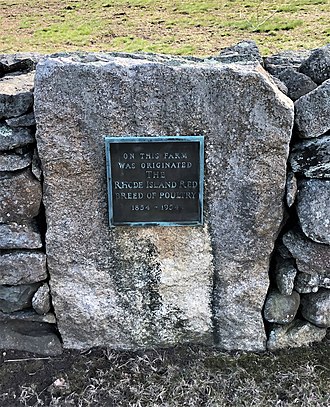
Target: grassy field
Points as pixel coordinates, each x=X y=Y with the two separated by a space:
x=178 y=377
x=183 y=27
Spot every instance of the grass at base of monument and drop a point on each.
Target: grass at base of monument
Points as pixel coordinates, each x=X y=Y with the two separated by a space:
x=182 y=27
x=181 y=376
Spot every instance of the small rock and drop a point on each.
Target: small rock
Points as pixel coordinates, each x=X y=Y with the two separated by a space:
x=19 y=236
x=280 y=308
x=18 y=297
x=294 y=335
x=315 y=307
x=16 y=95
x=20 y=196
x=23 y=61
x=276 y=64
x=311 y=258
x=14 y=162
x=313 y=209
x=311 y=158
x=32 y=337
x=312 y=116
x=306 y=283
x=291 y=189
x=297 y=83
x=244 y=51
x=41 y=300
x=285 y=273
x=28 y=315
x=13 y=138
x=23 y=267
x=317 y=66
x=26 y=120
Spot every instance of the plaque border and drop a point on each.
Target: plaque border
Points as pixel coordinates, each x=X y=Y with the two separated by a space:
x=138 y=139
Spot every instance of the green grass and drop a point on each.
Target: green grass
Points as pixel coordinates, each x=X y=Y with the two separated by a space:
x=172 y=26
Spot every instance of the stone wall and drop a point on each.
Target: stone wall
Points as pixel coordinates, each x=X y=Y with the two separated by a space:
x=139 y=287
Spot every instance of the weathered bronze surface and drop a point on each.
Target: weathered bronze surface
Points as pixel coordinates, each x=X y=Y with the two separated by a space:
x=155 y=181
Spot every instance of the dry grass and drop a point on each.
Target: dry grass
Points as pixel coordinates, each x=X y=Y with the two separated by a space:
x=182 y=376
x=171 y=26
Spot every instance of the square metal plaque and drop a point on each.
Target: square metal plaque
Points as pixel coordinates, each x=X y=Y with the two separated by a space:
x=155 y=180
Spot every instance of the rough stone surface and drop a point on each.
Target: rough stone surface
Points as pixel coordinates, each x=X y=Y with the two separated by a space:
x=22 y=61
x=315 y=307
x=298 y=333
x=244 y=51
x=317 y=66
x=22 y=267
x=276 y=64
x=28 y=315
x=14 y=162
x=20 y=196
x=129 y=287
x=16 y=298
x=41 y=300
x=307 y=283
x=34 y=337
x=36 y=166
x=311 y=158
x=285 y=273
x=16 y=95
x=297 y=83
x=21 y=121
x=311 y=258
x=12 y=138
x=291 y=189
x=19 y=236
x=313 y=112
x=281 y=309
x=314 y=210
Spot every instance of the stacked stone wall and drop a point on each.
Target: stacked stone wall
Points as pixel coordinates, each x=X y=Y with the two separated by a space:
x=297 y=306
x=26 y=318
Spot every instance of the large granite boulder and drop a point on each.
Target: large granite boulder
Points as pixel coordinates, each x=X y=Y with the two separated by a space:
x=317 y=65
x=297 y=83
x=130 y=287
x=313 y=209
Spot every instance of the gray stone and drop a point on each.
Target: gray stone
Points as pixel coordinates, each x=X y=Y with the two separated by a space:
x=311 y=158
x=313 y=112
x=19 y=236
x=23 y=267
x=294 y=335
x=14 y=162
x=276 y=64
x=297 y=83
x=16 y=95
x=13 y=138
x=282 y=87
x=315 y=307
x=22 y=61
x=28 y=336
x=307 y=283
x=20 y=196
x=317 y=65
x=281 y=309
x=28 y=315
x=129 y=287
x=41 y=300
x=22 y=121
x=311 y=258
x=244 y=51
x=36 y=166
x=17 y=297
x=285 y=273
x=291 y=189
x=313 y=209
